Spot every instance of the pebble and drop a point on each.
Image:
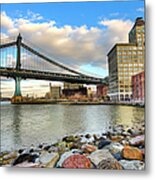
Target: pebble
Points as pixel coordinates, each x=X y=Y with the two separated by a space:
x=103 y=143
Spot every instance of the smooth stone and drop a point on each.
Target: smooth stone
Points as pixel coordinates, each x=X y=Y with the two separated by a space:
x=63 y=157
x=87 y=148
x=25 y=157
x=103 y=143
x=62 y=147
x=77 y=161
x=118 y=156
x=109 y=164
x=137 y=141
x=88 y=136
x=47 y=157
x=11 y=155
x=70 y=139
x=132 y=165
x=116 y=138
x=97 y=156
x=53 y=161
x=132 y=153
x=115 y=147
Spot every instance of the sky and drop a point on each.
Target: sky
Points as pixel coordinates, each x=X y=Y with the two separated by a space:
x=78 y=34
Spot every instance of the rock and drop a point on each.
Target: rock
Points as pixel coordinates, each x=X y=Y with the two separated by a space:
x=11 y=155
x=134 y=132
x=116 y=138
x=115 y=147
x=53 y=161
x=65 y=156
x=97 y=156
x=118 y=156
x=77 y=161
x=20 y=151
x=110 y=164
x=102 y=159
x=87 y=148
x=88 y=136
x=125 y=142
x=25 y=157
x=103 y=143
x=132 y=153
x=8 y=158
x=27 y=165
x=132 y=165
x=137 y=141
x=48 y=159
x=46 y=148
x=71 y=138
x=61 y=147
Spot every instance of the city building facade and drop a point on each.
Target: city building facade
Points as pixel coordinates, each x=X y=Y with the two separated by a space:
x=138 y=87
x=102 y=90
x=126 y=60
x=74 y=90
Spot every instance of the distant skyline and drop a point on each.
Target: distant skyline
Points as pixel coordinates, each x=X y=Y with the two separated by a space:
x=79 y=34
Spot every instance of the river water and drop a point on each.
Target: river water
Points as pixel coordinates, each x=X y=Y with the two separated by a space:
x=23 y=125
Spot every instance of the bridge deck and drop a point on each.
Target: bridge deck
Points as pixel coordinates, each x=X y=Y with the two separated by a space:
x=33 y=74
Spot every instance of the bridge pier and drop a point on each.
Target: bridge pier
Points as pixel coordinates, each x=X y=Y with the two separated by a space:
x=17 y=87
x=17 y=98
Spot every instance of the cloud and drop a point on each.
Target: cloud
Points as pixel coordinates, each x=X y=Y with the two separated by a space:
x=116 y=32
x=6 y=21
x=74 y=46
x=140 y=9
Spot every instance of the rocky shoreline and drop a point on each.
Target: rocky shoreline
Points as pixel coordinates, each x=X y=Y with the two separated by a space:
x=120 y=148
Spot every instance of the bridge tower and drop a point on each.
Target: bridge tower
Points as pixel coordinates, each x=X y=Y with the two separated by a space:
x=17 y=95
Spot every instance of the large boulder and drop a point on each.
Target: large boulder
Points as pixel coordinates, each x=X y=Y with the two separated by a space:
x=103 y=159
x=77 y=161
x=132 y=153
x=66 y=155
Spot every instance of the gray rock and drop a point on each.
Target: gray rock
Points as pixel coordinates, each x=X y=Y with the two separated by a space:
x=46 y=157
x=99 y=155
x=132 y=165
x=102 y=159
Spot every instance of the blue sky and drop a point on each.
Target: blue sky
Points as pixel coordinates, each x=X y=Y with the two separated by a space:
x=79 y=13
x=78 y=34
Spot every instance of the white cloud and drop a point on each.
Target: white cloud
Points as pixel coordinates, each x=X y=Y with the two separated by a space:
x=140 y=9
x=73 y=46
x=6 y=21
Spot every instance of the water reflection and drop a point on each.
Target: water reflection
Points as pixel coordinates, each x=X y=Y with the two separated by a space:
x=16 y=124
x=34 y=124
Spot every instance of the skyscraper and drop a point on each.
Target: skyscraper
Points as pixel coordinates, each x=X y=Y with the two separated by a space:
x=126 y=60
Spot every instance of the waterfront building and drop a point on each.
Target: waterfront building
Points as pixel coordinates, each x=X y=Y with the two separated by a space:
x=102 y=90
x=72 y=85
x=138 y=87
x=126 y=60
x=74 y=90
x=55 y=92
